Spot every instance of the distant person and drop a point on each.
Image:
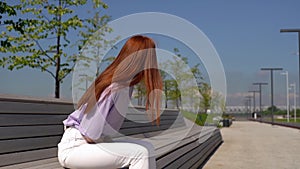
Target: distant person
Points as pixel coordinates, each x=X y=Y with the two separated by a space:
x=100 y=113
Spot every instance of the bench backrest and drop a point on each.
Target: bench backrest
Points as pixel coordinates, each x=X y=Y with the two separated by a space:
x=30 y=129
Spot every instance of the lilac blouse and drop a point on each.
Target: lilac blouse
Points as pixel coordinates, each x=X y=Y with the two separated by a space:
x=107 y=116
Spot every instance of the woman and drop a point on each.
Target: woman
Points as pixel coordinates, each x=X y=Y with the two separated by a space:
x=100 y=112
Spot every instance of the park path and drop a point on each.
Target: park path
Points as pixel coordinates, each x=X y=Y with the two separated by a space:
x=254 y=145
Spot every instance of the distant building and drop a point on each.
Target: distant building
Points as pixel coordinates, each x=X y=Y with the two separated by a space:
x=242 y=109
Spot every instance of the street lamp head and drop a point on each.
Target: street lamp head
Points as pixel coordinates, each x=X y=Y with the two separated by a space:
x=271 y=69
x=260 y=83
x=289 y=30
x=253 y=91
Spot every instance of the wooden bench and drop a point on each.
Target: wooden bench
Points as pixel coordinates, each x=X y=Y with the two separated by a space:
x=31 y=128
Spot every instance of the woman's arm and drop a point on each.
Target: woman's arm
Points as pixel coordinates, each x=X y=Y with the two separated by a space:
x=92 y=123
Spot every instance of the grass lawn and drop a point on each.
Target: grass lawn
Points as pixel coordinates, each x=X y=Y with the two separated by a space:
x=199 y=119
x=285 y=120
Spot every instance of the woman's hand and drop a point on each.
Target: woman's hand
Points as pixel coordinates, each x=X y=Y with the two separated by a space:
x=90 y=141
x=103 y=139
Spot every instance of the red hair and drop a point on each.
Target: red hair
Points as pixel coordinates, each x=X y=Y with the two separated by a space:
x=136 y=61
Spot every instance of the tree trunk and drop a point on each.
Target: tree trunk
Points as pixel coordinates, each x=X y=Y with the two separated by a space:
x=57 y=80
x=139 y=97
x=178 y=99
x=166 y=94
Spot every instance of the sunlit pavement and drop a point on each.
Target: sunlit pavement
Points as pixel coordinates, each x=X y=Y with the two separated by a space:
x=256 y=145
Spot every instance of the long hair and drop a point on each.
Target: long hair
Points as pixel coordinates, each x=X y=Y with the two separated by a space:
x=136 y=61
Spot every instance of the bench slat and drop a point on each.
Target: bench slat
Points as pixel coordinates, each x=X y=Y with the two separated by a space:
x=187 y=152
x=130 y=124
x=7 y=119
x=30 y=131
x=200 y=153
x=35 y=108
x=16 y=145
x=25 y=156
x=143 y=117
x=200 y=161
x=51 y=163
x=141 y=110
x=178 y=147
x=184 y=136
x=133 y=131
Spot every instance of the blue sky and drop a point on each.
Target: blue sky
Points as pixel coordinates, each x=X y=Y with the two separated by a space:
x=245 y=34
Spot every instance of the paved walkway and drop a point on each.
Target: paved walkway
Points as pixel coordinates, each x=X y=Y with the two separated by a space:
x=254 y=145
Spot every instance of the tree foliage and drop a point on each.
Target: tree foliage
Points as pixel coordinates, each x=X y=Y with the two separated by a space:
x=92 y=48
x=40 y=34
x=206 y=93
x=173 y=86
x=140 y=93
x=201 y=97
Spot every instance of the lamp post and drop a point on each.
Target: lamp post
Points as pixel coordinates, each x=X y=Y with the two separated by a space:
x=254 y=102
x=297 y=31
x=260 y=100
x=295 y=114
x=286 y=73
x=248 y=101
x=272 y=100
x=246 y=106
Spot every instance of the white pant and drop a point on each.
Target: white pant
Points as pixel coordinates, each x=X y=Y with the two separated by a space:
x=75 y=153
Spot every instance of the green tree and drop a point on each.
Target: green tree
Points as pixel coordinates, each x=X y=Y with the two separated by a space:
x=92 y=47
x=270 y=108
x=175 y=66
x=164 y=76
x=140 y=93
x=94 y=42
x=6 y=9
x=218 y=102
x=9 y=11
x=178 y=66
x=205 y=91
x=43 y=39
x=170 y=88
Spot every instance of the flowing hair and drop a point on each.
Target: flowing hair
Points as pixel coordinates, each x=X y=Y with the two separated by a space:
x=136 y=61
